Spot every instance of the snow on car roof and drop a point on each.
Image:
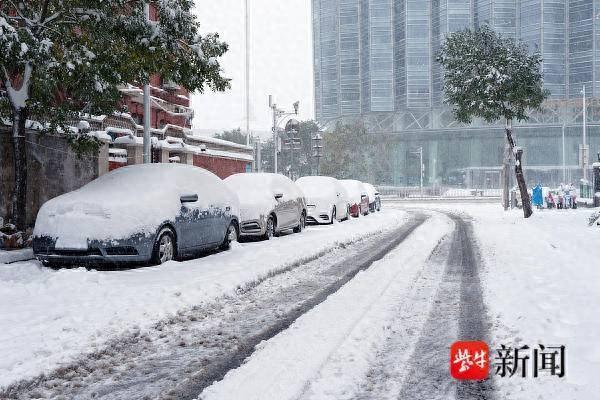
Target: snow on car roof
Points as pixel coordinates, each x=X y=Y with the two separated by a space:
x=262 y=180
x=353 y=187
x=317 y=185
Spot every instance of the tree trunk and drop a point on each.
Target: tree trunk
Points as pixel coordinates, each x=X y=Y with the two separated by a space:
x=525 y=200
x=506 y=178
x=19 y=198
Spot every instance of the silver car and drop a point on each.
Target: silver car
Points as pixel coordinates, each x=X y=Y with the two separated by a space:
x=137 y=214
x=269 y=204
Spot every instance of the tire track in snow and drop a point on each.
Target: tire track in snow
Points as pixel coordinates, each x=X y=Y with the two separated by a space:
x=386 y=375
x=364 y=260
x=458 y=313
x=186 y=353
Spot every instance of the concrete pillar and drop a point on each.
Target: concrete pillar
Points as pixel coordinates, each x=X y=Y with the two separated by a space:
x=164 y=156
x=135 y=152
x=103 y=159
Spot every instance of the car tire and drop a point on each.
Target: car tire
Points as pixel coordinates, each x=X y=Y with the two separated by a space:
x=230 y=236
x=164 y=247
x=333 y=216
x=301 y=223
x=270 y=229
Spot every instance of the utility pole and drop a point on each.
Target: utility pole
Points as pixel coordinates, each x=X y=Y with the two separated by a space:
x=147 y=109
x=247 y=26
x=422 y=167
x=318 y=150
x=584 y=147
x=277 y=113
x=273 y=107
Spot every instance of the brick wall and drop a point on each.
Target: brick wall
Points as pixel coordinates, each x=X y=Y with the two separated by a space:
x=222 y=167
x=53 y=169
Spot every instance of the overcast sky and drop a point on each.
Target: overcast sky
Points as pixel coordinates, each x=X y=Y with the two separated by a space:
x=281 y=61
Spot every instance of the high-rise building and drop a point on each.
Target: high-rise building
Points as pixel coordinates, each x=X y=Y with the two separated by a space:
x=375 y=61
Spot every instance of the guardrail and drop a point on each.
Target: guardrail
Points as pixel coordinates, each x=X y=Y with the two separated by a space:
x=437 y=192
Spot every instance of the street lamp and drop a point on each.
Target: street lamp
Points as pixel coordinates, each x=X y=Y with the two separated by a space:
x=318 y=150
x=584 y=147
x=278 y=116
x=292 y=142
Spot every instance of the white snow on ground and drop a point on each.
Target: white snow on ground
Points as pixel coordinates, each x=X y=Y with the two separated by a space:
x=7 y=257
x=327 y=351
x=49 y=317
x=541 y=287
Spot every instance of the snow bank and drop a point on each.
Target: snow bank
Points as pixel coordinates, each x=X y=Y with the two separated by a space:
x=49 y=317
x=7 y=257
x=129 y=200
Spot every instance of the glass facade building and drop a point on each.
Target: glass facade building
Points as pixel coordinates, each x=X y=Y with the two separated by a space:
x=374 y=61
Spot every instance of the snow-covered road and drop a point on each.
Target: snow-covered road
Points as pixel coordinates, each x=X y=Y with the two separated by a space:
x=50 y=318
x=318 y=316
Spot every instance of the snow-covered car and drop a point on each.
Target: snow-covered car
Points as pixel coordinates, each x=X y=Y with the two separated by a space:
x=325 y=199
x=374 y=197
x=358 y=199
x=269 y=204
x=138 y=214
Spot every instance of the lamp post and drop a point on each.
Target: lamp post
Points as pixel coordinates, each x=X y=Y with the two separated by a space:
x=147 y=109
x=278 y=115
x=247 y=34
x=318 y=150
x=584 y=150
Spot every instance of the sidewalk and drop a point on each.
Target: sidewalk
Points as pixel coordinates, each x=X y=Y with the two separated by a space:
x=8 y=257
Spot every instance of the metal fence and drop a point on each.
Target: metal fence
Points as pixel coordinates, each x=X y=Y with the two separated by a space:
x=442 y=192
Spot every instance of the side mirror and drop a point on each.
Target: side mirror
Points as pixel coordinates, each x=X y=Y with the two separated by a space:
x=278 y=196
x=189 y=198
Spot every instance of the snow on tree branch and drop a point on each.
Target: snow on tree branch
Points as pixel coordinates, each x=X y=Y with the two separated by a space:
x=490 y=77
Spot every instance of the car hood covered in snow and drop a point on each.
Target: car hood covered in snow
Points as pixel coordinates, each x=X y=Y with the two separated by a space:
x=128 y=201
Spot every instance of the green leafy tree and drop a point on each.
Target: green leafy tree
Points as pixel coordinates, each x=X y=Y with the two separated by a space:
x=61 y=58
x=491 y=77
x=345 y=154
x=235 y=136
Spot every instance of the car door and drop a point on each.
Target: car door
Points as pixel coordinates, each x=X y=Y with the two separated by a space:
x=195 y=223
x=290 y=203
x=281 y=208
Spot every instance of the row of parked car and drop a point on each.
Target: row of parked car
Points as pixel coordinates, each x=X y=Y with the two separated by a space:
x=154 y=213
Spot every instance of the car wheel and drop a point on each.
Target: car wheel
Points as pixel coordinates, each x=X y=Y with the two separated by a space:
x=230 y=236
x=164 y=247
x=333 y=216
x=270 y=230
x=301 y=223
